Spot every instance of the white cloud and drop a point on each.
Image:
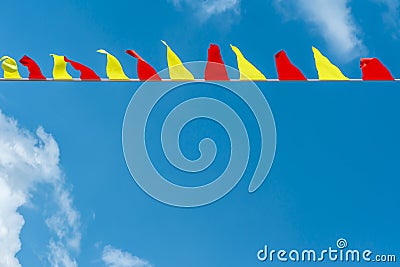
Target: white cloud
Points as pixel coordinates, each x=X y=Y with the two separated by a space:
x=26 y=161
x=391 y=15
x=333 y=20
x=65 y=224
x=113 y=257
x=10 y=224
x=59 y=256
x=208 y=8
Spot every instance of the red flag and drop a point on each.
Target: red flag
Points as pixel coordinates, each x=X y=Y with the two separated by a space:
x=86 y=73
x=34 y=70
x=215 y=69
x=373 y=69
x=286 y=70
x=144 y=69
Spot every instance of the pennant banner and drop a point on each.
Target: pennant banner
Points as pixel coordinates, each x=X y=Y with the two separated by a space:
x=373 y=69
x=246 y=69
x=10 y=68
x=145 y=70
x=60 y=68
x=286 y=70
x=86 y=73
x=326 y=70
x=177 y=71
x=215 y=69
x=113 y=68
x=34 y=70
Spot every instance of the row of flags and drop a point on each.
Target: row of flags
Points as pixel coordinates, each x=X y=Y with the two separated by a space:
x=372 y=68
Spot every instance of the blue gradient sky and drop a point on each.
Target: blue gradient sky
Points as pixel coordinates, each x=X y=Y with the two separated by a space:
x=336 y=168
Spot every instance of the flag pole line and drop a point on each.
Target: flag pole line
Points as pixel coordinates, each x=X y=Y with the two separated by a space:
x=195 y=80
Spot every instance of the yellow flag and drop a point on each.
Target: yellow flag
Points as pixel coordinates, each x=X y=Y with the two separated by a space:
x=177 y=70
x=246 y=69
x=114 y=69
x=326 y=70
x=10 y=68
x=60 y=68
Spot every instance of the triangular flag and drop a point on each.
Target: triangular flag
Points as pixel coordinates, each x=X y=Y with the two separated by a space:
x=86 y=73
x=326 y=70
x=247 y=70
x=10 y=68
x=114 y=69
x=144 y=69
x=373 y=69
x=215 y=68
x=286 y=70
x=34 y=70
x=60 y=68
x=177 y=71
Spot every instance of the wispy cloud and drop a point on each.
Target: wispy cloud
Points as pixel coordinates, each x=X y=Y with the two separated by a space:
x=208 y=8
x=113 y=257
x=27 y=160
x=333 y=20
x=391 y=15
x=65 y=225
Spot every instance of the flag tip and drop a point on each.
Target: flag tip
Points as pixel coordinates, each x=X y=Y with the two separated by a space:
x=234 y=48
x=4 y=58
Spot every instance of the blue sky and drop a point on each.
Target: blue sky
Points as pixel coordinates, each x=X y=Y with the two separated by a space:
x=336 y=168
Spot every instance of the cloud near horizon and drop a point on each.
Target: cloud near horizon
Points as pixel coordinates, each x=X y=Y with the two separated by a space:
x=391 y=15
x=26 y=161
x=333 y=20
x=206 y=9
x=113 y=257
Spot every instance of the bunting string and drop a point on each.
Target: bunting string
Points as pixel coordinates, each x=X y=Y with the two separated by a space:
x=372 y=69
